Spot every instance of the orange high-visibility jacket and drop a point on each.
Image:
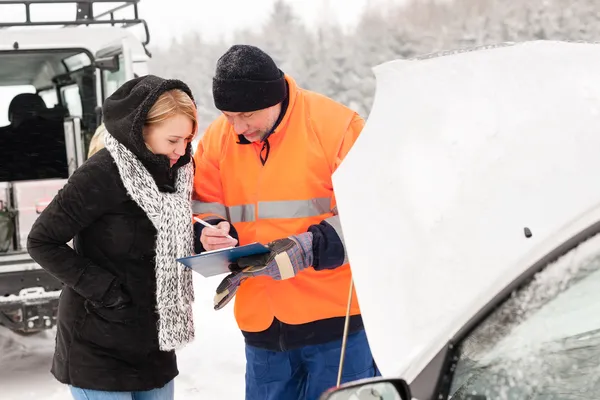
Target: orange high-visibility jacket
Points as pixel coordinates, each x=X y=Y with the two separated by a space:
x=283 y=197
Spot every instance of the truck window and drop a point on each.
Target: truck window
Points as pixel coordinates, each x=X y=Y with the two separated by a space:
x=7 y=93
x=49 y=96
x=72 y=100
x=113 y=80
x=544 y=341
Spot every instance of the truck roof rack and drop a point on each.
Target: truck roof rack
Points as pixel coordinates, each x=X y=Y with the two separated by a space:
x=84 y=14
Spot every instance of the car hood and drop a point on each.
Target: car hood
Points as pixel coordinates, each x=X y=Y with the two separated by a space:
x=460 y=156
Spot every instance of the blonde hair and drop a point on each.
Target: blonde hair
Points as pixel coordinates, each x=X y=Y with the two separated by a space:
x=171 y=103
x=97 y=142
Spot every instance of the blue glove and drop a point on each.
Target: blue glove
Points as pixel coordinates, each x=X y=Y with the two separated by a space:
x=287 y=257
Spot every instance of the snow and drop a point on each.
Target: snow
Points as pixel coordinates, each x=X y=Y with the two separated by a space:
x=211 y=367
x=25 y=364
x=31 y=295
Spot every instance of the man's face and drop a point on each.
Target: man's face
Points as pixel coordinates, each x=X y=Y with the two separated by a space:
x=254 y=125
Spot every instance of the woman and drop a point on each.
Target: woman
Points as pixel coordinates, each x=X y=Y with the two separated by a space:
x=97 y=142
x=126 y=303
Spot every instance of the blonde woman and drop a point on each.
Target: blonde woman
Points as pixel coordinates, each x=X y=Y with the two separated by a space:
x=97 y=142
x=126 y=304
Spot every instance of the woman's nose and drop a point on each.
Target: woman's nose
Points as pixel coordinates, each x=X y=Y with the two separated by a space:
x=180 y=149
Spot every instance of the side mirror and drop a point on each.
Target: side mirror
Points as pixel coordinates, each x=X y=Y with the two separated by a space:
x=370 y=389
x=108 y=63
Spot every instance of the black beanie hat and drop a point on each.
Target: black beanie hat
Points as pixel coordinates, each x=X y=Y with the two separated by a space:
x=247 y=79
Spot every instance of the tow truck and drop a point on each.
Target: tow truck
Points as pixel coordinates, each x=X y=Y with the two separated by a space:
x=54 y=77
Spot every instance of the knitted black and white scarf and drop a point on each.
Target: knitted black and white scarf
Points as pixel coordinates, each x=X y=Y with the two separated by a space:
x=171 y=215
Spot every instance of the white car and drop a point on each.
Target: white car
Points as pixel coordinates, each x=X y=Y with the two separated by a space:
x=471 y=213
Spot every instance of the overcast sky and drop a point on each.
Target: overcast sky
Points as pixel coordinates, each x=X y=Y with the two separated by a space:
x=218 y=17
x=212 y=18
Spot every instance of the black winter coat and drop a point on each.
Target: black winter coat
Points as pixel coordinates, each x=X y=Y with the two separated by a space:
x=107 y=324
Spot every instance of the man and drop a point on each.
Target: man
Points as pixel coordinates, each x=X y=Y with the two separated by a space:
x=264 y=166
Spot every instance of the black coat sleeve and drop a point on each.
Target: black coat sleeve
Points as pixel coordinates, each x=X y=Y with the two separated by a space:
x=328 y=245
x=91 y=191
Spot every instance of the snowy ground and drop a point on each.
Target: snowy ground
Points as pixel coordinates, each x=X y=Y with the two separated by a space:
x=211 y=367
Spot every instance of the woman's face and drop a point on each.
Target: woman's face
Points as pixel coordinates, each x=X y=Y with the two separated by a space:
x=170 y=137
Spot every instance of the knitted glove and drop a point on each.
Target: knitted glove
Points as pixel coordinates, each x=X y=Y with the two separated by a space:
x=287 y=257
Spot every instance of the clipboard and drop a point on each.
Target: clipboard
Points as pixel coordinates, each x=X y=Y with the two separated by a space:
x=216 y=262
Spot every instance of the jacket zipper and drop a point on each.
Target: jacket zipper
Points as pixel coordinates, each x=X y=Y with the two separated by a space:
x=281 y=338
x=267 y=149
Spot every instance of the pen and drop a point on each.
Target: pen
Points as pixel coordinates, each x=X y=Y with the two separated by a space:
x=206 y=224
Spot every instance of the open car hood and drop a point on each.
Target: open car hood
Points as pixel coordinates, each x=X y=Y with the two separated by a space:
x=461 y=153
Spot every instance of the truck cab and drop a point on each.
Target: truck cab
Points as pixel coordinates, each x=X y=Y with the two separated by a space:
x=54 y=77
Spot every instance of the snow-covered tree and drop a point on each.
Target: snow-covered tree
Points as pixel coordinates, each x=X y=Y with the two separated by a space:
x=339 y=63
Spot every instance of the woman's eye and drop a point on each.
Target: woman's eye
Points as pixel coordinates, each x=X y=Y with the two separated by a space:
x=173 y=141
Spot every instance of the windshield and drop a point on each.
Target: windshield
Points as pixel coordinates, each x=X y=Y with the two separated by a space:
x=542 y=343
